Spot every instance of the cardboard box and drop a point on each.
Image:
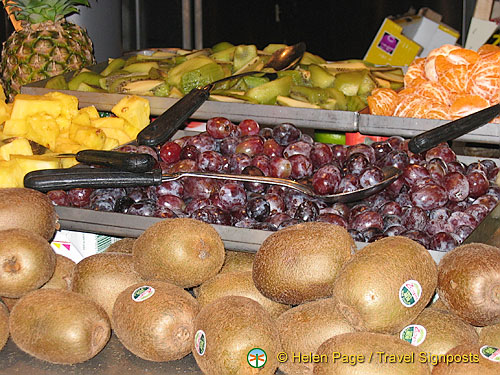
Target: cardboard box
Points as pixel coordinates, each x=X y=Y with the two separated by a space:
x=400 y=41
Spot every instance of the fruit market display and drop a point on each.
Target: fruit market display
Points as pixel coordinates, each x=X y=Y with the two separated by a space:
x=389 y=323
x=38 y=127
x=44 y=43
x=314 y=83
x=451 y=82
x=437 y=201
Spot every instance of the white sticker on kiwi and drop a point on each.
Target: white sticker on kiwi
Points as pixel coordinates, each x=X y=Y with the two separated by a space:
x=143 y=293
x=200 y=342
x=490 y=352
x=414 y=334
x=410 y=293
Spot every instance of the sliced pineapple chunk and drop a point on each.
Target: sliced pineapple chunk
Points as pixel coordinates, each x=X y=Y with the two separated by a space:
x=10 y=174
x=20 y=146
x=27 y=105
x=29 y=163
x=66 y=145
x=64 y=123
x=117 y=134
x=5 y=110
x=15 y=128
x=108 y=122
x=69 y=103
x=91 y=111
x=134 y=109
x=43 y=129
x=110 y=143
x=89 y=137
x=131 y=130
x=81 y=119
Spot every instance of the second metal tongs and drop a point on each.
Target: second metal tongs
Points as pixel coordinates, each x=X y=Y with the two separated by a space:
x=54 y=179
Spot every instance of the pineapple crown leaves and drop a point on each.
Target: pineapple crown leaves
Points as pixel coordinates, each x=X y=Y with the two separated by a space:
x=37 y=11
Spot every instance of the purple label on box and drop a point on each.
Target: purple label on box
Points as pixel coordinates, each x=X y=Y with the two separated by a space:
x=388 y=43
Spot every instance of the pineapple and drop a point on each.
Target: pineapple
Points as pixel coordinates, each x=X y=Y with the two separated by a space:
x=47 y=45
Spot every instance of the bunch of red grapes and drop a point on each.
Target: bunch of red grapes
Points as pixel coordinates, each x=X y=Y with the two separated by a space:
x=437 y=201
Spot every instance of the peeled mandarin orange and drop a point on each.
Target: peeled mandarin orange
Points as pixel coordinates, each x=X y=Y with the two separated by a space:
x=382 y=101
x=434 y=91
x=466 y=104
x=437 y=111
x=487 y=49
x=463 y=56
x=444 y=50
x=415 y=73
x=455 y=79
x=484 y=81
x=411 y=106
x=430 y=68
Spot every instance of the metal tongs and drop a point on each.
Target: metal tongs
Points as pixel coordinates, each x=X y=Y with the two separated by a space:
x=53 y=179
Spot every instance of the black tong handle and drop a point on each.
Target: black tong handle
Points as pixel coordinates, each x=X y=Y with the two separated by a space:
x=123 y=161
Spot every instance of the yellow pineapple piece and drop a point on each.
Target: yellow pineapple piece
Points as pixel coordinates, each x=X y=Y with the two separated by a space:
x=89 y=137
x=10 y=174
x=91 y=111
x=82 y=118
x=42 y=129
x=134 y=109
x=109 y=122
x=117 y=134
x=27 y=105
x=68 y=162
x=29 y=163
x=64 y=123
x=110 y=143
x=64 y=145
x=5 y=110
x=15 y=128
x=69 y=103
x=20 y=146
x=131 y=130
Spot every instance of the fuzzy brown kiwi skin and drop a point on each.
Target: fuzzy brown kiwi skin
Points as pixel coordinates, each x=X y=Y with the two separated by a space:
x=182 y=251
x=28 y=209
x=63 y=274
x=444 y=331
x=124 y=245
x=9 y=302
x=59 y=326
x=300 y=263
x=237 y=261
x=368 y=345
x=469 y=283
x=27 y=261
x=159 y=328
x=477 y=365
x=305 y=327
x=367 y=289
x=4 y=325
x=236 y=284
x=490 y=335
x=102 y=277
x=234 y=325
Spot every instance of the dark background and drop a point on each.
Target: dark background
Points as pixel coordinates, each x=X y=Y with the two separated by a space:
x=333 y=29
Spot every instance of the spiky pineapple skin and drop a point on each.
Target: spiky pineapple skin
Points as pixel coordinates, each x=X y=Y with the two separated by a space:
x=43 y=50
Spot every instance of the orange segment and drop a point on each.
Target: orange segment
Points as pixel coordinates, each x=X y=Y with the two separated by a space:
x=455 y=79
x=434 y=91
x=466 y=104
x=487 y=49
x=411 y=106
x=463 y=56
x=485 y=81
x=415 y=73
x=382 y=101
x=430 y=68
x=444 y=50
x=438 y=111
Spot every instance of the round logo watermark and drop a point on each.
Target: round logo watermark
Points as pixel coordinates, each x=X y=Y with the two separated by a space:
x=200 y=342
x=143 y=293
x=257 y=358
x=490 y=352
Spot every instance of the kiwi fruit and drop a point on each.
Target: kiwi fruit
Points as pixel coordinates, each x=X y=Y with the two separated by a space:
x=436 y=332
x=27 y=209
x=63 y=274
x=237 y=261
x=227 y=329
x=368 y=353
x=386 y=285
x=4 y=325
x=59 y=326
x=183 y=251
x=490 y=335
x=438 y=304
x=102 y=277
x=469 y=283
x=304 y=328
x=124 y=245
x=155 y=321
x=27 y=261
x=236 y=284
x=300 y=263
x=467 y=359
